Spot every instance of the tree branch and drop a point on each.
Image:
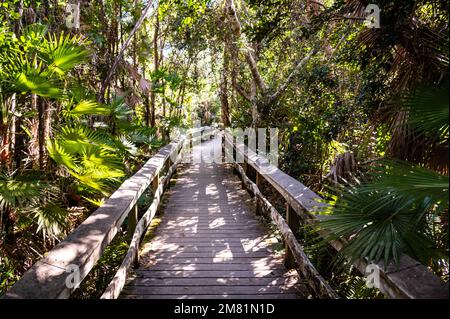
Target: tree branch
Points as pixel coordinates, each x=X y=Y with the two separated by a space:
x=291 y=76
x=255 y=73
x=236 y=28
x=240 y=90
x=122 y=50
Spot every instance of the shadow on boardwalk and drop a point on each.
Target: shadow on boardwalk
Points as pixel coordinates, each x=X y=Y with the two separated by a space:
x=210 y=244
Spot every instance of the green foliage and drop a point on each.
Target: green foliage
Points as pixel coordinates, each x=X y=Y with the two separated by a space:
x=399 y=209
x=35 y=62
x=86 y=107
x=352 y=286
x=103 y=272
x=382 y=224
x=17 y=191
x=36 y=200
x=428 y=109
x=89 y=156
x=7 y=274
x=52 y=219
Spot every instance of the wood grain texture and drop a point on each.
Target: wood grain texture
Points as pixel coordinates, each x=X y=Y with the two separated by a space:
x=300 y=259
x=116 y=285
x=211 y=244
x=400 y=281
x=85 y=245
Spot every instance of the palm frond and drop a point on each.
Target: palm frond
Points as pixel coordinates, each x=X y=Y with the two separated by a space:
x=92 y=157
x=59 y=154
x=34 y=34
x=14 y=191
x=52 y=219
x=77 y=138
x=428 y=109
x=389 y=214
x=379 y=226
x=25 y=77
x=409 y=180
x=86 y=107
x=64 y=53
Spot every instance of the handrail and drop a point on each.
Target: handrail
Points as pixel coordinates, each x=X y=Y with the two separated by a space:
x=132 y=257
x=407 y=279
x=73 y=258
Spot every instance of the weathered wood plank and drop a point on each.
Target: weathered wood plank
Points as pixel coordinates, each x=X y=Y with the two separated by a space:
x=211 y=254
x=399 y=284
x=190 y=243
x=210 y=290
x=263 y=243
x=203 y=260
x=212 y=235
x=85 y=245
x=266 y=273
x=115 y=287
x=218 y=266
x=220 y=281
x=303 y=264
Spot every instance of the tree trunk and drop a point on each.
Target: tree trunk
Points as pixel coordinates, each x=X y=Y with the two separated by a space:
x=8 y=221
x=119 y=57
x=19 y=143
x=41 y=132
x=224 y=91
x=18 y=22
x=12 y=130
x=44 y=113
x=156 y=62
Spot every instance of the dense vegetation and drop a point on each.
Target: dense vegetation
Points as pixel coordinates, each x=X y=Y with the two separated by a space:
x=362 y=112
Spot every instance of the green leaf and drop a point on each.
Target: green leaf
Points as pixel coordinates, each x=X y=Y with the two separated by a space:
x=52 y=219
x=86 y=107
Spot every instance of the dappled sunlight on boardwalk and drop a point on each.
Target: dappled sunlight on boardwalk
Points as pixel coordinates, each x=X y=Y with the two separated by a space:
x=210 y=243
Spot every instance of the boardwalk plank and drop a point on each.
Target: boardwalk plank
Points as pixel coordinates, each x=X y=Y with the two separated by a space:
x=210 y=244
x=210 y=290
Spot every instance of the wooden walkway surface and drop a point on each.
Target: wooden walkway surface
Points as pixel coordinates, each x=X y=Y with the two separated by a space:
x=210 y=243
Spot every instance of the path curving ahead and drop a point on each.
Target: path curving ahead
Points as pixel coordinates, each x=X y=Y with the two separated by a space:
x=210 y=243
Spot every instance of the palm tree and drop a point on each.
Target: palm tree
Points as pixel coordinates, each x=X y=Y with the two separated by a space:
x=401 y=207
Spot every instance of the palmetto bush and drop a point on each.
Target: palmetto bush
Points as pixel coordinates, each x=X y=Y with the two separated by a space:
x=34 y=63
x=33 y=200
x=400 y=206
x=39 y=63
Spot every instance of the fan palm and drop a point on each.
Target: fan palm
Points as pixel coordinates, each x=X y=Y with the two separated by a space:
x=89 y=156
x=400 y=207
x=28 y=198
x=37 y=63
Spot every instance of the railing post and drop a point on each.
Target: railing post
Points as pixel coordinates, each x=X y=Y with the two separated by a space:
x=168 y=165
x=292 y=220
x=155 y=183
x=223 y=145
x=132 y=222
x=245 y=169
x=258 y=201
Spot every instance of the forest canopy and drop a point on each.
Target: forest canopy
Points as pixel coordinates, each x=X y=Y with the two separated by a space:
x=89 y=90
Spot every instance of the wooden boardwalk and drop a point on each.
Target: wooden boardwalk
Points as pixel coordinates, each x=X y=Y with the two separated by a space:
x=210 y=243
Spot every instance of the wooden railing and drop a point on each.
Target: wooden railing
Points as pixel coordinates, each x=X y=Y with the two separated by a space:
x=72 y=259
x=407 y=279
x=79 y=252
